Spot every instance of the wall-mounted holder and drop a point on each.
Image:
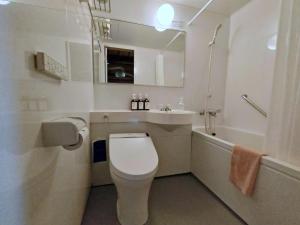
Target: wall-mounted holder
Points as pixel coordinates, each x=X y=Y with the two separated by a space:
x=50 y=67
x=68 y=132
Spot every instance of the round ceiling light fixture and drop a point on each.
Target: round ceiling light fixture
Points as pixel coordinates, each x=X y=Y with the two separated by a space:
x=165 y=14
x=4 y=2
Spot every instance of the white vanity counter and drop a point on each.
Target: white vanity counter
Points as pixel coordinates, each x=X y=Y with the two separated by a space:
x=171 y=133
x=174 y=117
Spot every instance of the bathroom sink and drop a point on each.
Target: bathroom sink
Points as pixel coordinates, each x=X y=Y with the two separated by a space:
x=174 y=117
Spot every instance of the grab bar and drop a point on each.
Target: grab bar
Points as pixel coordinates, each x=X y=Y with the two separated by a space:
x=254 y=105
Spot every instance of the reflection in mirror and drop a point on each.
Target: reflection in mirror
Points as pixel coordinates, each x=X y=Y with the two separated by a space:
x=138 y=54
x=120 y=65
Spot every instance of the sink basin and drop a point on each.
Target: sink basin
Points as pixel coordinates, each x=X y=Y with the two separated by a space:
x=174 y=117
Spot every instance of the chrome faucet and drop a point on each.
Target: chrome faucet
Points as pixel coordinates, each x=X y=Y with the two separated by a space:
x=166 y=108
x=211 y=112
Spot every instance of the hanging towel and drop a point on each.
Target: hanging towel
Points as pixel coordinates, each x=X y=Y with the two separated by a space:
x=245 y=166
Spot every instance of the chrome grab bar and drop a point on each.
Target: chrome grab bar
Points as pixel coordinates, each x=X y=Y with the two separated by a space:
x=254 y=105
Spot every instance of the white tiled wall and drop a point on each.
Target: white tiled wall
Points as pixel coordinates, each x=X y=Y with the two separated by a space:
x=38 y=185
x=251 y=63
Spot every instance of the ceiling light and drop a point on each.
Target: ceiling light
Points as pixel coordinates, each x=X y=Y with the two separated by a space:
x=4 y=2
x=165 y=14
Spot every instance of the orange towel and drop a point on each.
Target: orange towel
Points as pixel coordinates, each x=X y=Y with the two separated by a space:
x=245 y=166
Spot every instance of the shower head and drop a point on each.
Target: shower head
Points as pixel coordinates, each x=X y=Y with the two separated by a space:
x=218 y=27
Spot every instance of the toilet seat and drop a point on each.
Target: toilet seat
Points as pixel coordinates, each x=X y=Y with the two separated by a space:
x=129 y=160
x=133 y=164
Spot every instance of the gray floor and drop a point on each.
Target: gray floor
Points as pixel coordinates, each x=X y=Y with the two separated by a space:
x=177 y=200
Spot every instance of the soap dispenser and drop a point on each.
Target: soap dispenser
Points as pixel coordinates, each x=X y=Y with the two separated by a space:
x=146 y=102
x=181 y=104
x=134 y=102
x=140 y=102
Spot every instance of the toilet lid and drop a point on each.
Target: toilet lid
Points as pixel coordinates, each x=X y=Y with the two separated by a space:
x=132 y=156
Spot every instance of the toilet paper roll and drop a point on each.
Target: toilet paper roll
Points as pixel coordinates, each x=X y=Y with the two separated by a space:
x=83 y=135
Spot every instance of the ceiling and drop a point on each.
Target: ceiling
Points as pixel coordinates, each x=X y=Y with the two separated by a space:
x=226 y=7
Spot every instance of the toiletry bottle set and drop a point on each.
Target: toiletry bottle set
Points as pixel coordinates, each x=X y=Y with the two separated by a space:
x=140 y=102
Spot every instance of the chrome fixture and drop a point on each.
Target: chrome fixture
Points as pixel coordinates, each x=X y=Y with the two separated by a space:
x=166 y=108
x=215 y=35
x=211 y=112
x=254 y=105
x=208 y=117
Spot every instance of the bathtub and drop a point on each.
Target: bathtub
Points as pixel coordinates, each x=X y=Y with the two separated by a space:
x=276 y=200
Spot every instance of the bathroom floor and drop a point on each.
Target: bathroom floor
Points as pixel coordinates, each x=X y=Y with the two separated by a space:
x=176 y=200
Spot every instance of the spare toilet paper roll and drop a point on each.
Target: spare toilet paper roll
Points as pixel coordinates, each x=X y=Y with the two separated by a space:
x=83 y=135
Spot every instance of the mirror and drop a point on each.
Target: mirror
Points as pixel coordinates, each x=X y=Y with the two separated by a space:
x=138 y=54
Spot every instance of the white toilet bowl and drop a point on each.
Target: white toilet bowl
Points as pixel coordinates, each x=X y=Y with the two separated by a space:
x=133 y=165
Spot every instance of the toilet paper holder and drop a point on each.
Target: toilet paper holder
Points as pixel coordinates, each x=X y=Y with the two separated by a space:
x=63 y=132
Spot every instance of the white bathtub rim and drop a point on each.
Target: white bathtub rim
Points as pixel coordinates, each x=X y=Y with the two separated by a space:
x=231 y=128
x=280 y=166
x=215 y=140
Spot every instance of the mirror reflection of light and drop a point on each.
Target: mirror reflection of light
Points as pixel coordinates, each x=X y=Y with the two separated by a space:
x=159 y=28
x=272 y=43
x=165 y=14
x=4 y=2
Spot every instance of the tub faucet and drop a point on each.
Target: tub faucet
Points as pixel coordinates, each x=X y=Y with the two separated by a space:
x=211 y=112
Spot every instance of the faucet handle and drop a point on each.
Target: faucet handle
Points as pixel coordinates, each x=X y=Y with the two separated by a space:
x=212 y=112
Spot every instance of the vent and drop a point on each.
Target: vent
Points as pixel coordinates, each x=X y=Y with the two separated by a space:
x=101 y=5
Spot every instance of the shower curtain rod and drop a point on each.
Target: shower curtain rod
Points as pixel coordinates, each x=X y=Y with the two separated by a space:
x=200 y=12
x=172 y=40
x=190 y=22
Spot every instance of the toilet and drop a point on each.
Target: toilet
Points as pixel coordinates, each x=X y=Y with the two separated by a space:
x=133 y=165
